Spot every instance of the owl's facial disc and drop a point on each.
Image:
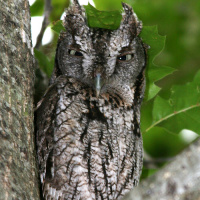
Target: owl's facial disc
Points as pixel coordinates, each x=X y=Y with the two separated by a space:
x=108 y=61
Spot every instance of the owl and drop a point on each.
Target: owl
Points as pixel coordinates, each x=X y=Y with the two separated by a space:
x=89 y=144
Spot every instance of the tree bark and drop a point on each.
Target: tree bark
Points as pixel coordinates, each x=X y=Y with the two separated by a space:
x=179 y=180
x=18 y=177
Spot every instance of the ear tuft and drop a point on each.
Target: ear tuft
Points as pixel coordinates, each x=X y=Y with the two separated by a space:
x=130 y=18
x=75 y=7
x=74 y=15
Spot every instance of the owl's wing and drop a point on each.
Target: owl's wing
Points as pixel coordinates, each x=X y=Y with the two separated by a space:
x=45 y=119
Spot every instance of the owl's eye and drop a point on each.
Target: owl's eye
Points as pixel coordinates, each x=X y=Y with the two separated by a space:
x=75 y=53
x=126 y=57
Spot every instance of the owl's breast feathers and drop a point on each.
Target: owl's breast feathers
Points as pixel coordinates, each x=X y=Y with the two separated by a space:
x=88 y=147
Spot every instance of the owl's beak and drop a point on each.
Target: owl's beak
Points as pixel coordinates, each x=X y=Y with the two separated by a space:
x=98 y=84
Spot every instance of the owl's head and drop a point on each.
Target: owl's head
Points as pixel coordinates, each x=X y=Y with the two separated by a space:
x=109 y=61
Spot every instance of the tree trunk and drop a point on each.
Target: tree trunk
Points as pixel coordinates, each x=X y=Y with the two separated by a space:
x=179 y=180
x=18 y=177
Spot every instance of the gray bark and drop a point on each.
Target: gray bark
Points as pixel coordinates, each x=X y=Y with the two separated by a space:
x=18 y=177
x=179 y=180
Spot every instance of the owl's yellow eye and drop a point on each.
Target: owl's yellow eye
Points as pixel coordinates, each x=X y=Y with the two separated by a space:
x=126 y=57
x=75 y=53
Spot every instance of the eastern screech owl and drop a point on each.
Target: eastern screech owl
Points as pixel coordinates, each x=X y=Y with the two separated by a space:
x=89 y=143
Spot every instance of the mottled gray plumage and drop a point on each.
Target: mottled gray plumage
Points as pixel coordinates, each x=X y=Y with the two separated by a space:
x=89 y=143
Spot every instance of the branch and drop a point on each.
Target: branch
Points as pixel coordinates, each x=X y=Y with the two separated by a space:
x=45 y=23
x=178 y=180
x=18 y=175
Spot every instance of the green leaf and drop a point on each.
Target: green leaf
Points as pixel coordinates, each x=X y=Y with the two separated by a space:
x=146 y=115
x=181 y=110
x=45 y=64
x=37 y=8
x=147 y=172
x=154 y=73
x=159 y=143
x=58 y=26
x=151 y=91
x=108 y=5
x=102 y=19
x=156 y=42
x=58 y=9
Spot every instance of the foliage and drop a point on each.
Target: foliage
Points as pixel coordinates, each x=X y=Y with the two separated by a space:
x=172 y=98
x=37 y=8
x=154 y=73
x=45 y=64
x=102 y=19
x=179 y=112
x=58 y=26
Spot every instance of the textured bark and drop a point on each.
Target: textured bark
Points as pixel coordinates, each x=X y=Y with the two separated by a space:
x=18 y=178
x=179 y=180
